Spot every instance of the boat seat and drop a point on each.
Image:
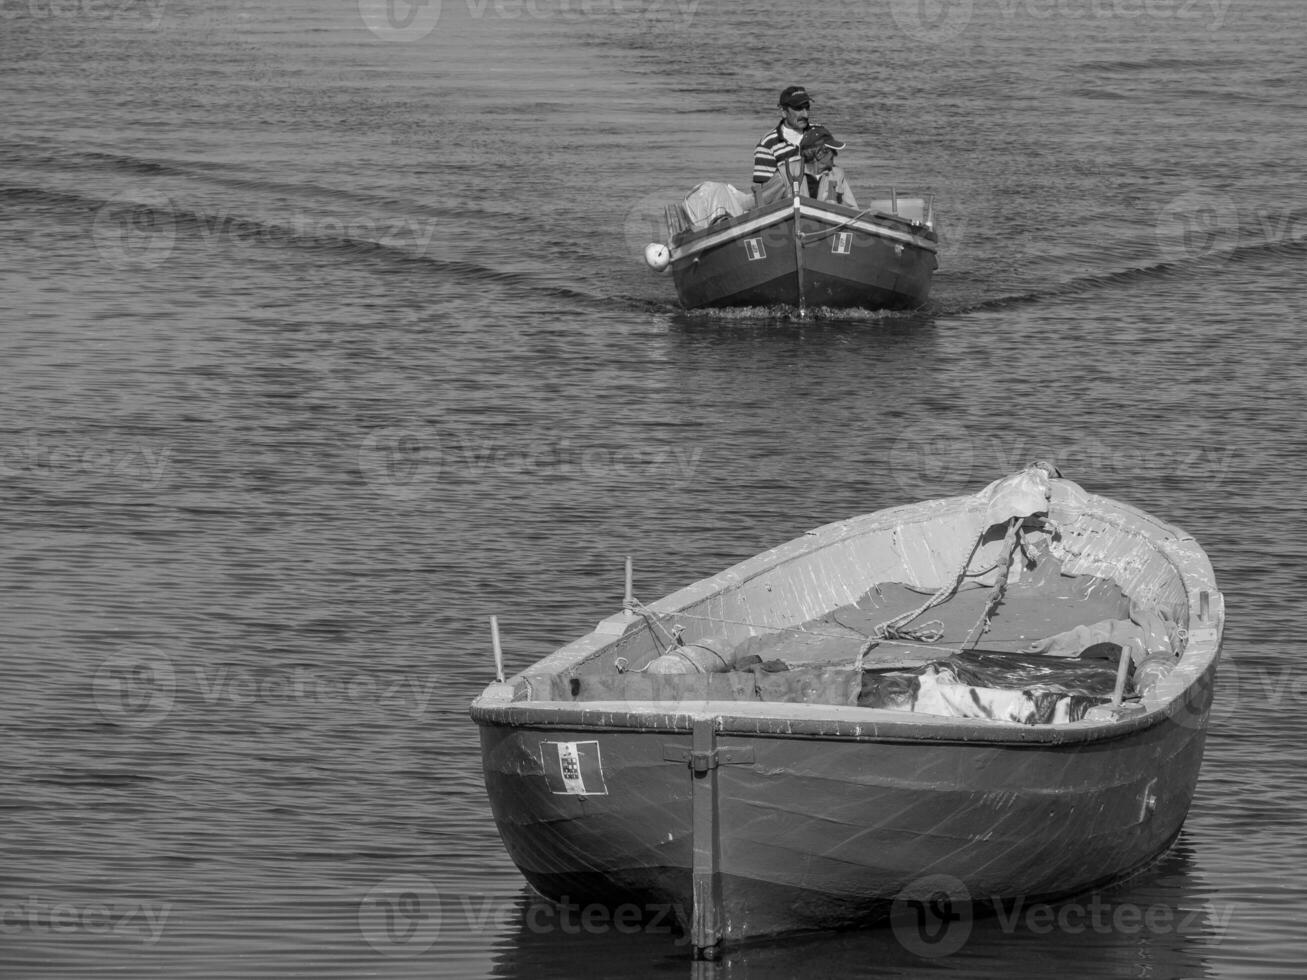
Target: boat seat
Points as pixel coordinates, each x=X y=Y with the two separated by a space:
x=798 y=685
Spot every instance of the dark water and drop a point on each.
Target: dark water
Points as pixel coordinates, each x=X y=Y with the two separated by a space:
x=324 y=343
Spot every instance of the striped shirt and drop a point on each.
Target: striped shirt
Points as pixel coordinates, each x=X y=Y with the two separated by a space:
x=777 y=146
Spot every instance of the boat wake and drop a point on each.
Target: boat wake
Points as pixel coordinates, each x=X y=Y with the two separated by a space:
x=1191 y=268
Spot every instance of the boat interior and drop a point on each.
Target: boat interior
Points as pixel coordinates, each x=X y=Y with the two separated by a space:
x=1040 y=624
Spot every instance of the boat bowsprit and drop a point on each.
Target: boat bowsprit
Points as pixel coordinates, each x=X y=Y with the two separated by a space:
x=1007 y=690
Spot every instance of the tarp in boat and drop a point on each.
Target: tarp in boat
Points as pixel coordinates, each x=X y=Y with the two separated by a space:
x=712 y=200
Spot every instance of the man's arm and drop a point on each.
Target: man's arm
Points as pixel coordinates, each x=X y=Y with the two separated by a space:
x=764 y=163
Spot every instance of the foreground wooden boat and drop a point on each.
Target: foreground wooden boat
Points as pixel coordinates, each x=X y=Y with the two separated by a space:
x=805 y=253
x=1006 y=691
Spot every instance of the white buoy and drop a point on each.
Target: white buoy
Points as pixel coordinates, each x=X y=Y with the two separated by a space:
x=657 y=256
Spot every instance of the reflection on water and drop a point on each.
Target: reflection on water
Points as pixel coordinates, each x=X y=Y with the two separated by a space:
x=1164 y=922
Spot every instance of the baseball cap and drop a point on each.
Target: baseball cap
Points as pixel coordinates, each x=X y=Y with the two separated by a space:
x=817 y=136
x=795 y=97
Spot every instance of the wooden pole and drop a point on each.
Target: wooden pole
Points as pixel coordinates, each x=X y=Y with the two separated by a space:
x=798 y=241
x=706 y=919
x=629 y=601
x=499 y=652
x=1122 y=669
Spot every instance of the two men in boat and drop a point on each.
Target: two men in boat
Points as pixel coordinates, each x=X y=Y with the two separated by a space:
x=797 y=148
x=793 y=152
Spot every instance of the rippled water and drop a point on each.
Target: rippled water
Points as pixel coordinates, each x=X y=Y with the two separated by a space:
x=324 y=343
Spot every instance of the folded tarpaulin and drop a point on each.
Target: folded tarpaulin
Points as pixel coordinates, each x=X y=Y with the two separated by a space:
x=712 y=200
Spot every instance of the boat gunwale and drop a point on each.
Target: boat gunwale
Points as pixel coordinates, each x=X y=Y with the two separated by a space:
x=691 y=243
x=873 y=727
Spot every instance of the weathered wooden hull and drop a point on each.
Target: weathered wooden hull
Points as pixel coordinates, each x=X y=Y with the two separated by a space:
x=757 y=819
x=821 y=832
x=841 y=257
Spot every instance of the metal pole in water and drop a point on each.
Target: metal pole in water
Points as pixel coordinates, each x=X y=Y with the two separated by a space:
x=499 y=652
x=629 y=601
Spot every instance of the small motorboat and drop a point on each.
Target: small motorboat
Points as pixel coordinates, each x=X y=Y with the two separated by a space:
x=803 y=253
x=1006 y=692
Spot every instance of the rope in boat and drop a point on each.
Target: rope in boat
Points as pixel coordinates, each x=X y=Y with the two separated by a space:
x=1011 y=541
x=895 y=630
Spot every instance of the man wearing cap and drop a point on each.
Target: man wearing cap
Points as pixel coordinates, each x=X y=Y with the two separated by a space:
x=825 y=180
x=782 y=143
x=813 y=168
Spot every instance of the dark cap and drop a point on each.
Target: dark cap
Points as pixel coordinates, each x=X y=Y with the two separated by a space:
x=818 y=136
x=795 y=97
